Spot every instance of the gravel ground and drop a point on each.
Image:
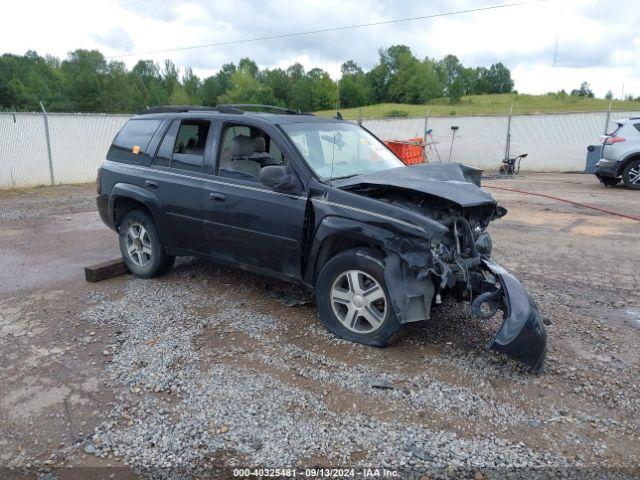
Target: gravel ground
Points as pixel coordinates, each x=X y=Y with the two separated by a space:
x=265 y=419
x=208 y=367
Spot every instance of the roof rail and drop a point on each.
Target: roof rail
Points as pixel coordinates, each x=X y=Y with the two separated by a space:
x=266 y=108
x=191 y=108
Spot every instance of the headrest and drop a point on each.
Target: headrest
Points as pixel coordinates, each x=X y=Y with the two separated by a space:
x=242 y=146
x=261 y=144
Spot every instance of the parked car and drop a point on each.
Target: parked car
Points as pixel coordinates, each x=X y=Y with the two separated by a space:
x=621 y=155
x=317 y=201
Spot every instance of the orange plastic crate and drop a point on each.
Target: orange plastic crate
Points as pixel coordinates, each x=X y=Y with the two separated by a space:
x=410 y=151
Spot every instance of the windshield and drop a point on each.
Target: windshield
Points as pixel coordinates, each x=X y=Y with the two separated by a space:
x=338 y=150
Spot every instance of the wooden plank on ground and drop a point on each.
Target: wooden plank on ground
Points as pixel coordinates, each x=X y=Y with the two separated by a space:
x=104 y=270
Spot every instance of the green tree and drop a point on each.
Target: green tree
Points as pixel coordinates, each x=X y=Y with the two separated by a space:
x=323 y=90
x=27 y=79
x=353 y=86
x=583 y=91
x=245 y=88
x=191 y=85
x=411 y=81
x=179 y=96
x=249 y=66
x=84 y=72
x=279 y=83
x=149 y=90
x=117 y=89
x=499 y=79
x=170 y=76
x=85 y=81
x=210 y=91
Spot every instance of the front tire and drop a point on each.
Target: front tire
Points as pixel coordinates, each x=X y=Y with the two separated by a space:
x=141 y=247
x=631 y=175
x=353 y=300
x=609 y=181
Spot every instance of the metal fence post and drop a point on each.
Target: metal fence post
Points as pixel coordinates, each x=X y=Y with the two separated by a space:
x=46 y=131
x=507 y=147
x=426 y=124
x=360 y=116
x=606 y=123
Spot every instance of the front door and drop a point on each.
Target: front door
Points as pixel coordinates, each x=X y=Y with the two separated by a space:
x=245 y=222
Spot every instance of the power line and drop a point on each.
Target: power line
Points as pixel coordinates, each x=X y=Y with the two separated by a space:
x=331 y=29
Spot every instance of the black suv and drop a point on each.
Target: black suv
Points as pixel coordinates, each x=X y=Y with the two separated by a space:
x=317 y=201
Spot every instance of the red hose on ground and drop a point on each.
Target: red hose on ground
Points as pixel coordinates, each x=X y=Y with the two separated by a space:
x=604 y=210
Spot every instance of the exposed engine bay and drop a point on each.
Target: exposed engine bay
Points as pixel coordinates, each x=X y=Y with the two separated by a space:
x=456 y=261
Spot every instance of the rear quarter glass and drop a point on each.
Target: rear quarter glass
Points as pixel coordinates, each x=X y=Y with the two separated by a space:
x=132 y=140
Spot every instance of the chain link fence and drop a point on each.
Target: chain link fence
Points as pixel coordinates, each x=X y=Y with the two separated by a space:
x=70 y=152
x=553 y=142
x=76 y=144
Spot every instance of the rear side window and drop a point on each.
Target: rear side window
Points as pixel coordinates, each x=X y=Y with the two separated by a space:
x=183 y=145
x=637 y=125
x=131 y=142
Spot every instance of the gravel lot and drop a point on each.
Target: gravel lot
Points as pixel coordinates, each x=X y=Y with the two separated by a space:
x=207 y=368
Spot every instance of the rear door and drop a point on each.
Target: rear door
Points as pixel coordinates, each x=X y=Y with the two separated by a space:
x=248 y=223
x=177 y=178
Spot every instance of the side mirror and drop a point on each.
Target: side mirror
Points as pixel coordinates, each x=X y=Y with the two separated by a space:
x=277 y=177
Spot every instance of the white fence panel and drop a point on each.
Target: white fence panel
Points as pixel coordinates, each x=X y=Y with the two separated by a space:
x=554 y=142
x=23 y=151
x=79 y=142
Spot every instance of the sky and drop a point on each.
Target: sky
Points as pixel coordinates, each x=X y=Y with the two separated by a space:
x=598 y=41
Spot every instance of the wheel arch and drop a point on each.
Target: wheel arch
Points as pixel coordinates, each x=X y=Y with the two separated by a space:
x=336 y=235
x=125 y=198
x=631 y=158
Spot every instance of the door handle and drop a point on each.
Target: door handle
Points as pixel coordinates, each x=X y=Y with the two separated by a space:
x=151 y=183
x=217 y=196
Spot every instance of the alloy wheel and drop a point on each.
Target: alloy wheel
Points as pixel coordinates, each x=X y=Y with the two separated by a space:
x=358 y=301
x=138 y=245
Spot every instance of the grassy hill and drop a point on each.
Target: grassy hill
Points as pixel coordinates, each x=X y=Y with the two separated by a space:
x=488 y=104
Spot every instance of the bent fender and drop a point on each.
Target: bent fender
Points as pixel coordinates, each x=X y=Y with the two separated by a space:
x=522 y=334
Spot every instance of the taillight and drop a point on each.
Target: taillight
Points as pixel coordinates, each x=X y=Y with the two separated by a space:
x=612 y=140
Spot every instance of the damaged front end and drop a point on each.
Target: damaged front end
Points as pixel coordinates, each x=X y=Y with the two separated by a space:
x=456 y=260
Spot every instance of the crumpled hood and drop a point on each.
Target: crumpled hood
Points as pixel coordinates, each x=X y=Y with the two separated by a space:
x=452 y=181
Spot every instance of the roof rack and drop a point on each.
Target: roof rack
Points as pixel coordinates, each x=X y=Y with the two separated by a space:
x=235 y=108
x=191 y=108
x=266 y=108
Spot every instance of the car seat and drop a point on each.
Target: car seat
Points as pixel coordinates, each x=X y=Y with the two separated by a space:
x=242 y=147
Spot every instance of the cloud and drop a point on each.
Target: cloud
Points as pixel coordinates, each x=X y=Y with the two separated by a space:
x=594 y=39
x=116 y=38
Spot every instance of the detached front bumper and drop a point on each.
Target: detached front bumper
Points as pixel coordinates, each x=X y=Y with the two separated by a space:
x=522 y=334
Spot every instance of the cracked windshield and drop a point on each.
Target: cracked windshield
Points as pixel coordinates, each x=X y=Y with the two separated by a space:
x=336 y=150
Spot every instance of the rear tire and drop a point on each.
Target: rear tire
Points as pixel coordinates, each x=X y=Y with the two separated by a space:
x=631 y=175
x=353 y=300
x=141 y=247
x=609 y=181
